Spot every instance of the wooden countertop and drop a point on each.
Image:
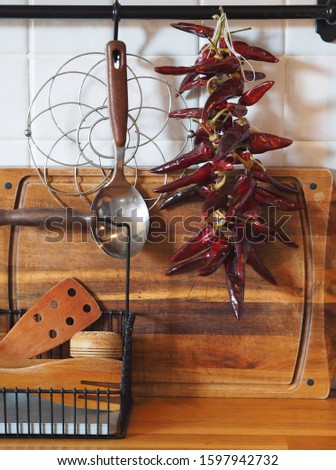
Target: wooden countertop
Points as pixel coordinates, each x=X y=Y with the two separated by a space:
x=214 y=423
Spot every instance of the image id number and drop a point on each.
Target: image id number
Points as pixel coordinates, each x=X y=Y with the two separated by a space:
x=234 y=459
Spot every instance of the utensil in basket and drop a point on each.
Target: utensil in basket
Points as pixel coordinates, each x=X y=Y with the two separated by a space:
x=82 y=375
x=96 y=344
x=61 y=312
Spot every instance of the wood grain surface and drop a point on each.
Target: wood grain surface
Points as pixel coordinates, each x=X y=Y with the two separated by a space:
x=187 y=341
x=214 y=423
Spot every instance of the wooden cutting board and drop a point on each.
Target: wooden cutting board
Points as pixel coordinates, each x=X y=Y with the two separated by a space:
x=187 y=341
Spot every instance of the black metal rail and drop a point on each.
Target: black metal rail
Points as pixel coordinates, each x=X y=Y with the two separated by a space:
x=324 y=12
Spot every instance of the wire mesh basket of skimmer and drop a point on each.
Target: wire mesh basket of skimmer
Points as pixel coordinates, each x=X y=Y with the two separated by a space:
x=68 y=123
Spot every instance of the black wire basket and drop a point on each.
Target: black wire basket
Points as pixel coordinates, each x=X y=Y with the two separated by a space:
x=54 y=413
x=101 y=412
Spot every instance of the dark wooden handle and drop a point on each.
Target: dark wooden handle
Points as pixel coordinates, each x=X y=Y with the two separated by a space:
x=40 y=216
x=117 y=90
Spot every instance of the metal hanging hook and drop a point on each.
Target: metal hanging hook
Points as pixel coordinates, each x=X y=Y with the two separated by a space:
x=116 y=18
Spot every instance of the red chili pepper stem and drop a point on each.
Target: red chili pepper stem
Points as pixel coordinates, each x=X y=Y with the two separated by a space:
x=216 y=186
x=219 y=30
x=248 y=164
x=220 y=113
x=213 y=137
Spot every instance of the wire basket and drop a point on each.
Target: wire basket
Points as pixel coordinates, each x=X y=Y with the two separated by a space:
x=48 y=412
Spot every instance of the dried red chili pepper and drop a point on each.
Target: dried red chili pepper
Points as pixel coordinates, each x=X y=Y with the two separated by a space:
x=192 y=80
x=225 y=164
x=243 y=155
x=229 y=89
x=202 y=240
x=262 y=175
x=243 y=190
x=175 y=70
x=186 y=113
x=253 y=95
x=204 y=133
x=218 y=252
x=268 y=198
x=261 y=142
x=204 y=175
x=242 y=185
x=235 y=285
x=221 y=124
x=200 y=136
x=206 y=53
x=252 y=76
x=251 y=52
x=251 y=210
x=182 y=195
x=188 y=262
x=225 y=66
x=214 y=200
x=241 y=249
x=200 y=154
x=240 y=259
x=231 y=139
x=236 y=110
x=199 y=30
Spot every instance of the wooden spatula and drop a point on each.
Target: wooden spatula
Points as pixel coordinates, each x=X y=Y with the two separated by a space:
x=78 y=373
x=60 y=313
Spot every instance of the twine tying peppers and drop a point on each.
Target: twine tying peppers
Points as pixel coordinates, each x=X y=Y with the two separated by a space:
x=233 y=219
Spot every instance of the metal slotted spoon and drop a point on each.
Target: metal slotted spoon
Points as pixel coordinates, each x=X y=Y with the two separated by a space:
x=119 y=202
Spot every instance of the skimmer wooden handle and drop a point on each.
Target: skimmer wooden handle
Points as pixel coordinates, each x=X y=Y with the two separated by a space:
x=117 y=90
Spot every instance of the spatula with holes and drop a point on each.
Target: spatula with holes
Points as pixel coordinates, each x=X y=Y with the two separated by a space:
x=60 y=313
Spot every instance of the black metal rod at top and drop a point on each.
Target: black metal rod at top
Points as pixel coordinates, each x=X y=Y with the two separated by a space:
x=325 y=12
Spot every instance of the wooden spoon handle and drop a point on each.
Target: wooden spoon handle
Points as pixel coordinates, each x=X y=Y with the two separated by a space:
x=117 y=90
x=42 y=216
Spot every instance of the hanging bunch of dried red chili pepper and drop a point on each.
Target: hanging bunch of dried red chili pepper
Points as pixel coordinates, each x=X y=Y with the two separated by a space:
x=234 y=220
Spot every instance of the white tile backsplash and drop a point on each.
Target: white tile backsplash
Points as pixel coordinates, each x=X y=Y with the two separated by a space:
x=14 y=33
x=14 y=96
x=155 y=37
x=143 y=37
x=56 y=37
x=14 y=153
x=310 y=110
